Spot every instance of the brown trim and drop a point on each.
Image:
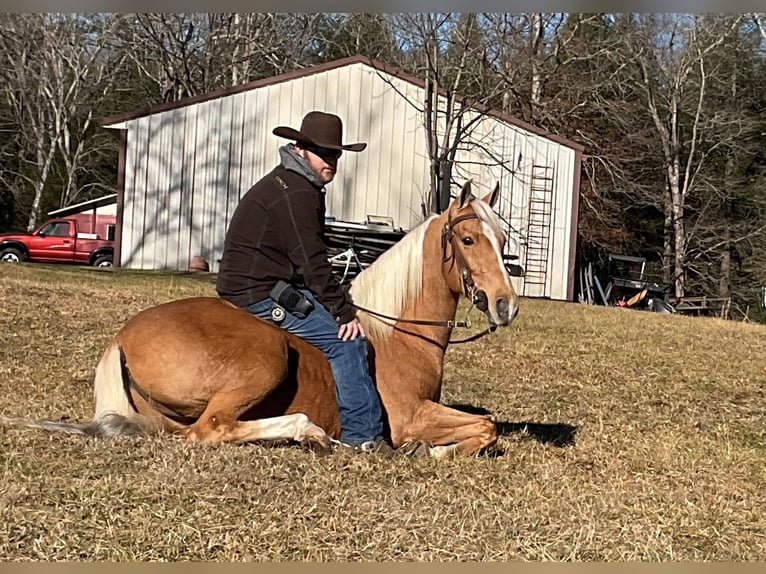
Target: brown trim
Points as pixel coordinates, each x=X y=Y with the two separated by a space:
x=84 y=206
x=502 y=116
x=318 y=69
x=278 y=79
x=116 y=258
x=495 y=113
x=575 y=224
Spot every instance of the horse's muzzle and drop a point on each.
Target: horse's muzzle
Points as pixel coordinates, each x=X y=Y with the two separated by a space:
x=505 y=311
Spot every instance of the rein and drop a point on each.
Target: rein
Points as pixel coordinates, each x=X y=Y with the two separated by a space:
x=450 y=324
x=469 y=288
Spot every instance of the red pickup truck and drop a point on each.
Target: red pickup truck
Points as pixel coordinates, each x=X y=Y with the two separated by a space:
x=81 y=238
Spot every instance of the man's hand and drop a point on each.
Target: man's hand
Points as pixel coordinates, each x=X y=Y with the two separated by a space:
x=351 y=330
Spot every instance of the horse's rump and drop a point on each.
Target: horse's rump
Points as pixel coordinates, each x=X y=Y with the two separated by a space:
x=184 y=353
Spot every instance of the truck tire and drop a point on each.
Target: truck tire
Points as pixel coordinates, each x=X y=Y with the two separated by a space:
x=103 y=261
x=11 y=255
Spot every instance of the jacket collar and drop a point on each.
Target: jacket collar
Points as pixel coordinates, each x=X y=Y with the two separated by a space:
x=291 y=161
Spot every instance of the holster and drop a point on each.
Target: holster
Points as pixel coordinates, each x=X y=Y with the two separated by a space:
x=291 y=299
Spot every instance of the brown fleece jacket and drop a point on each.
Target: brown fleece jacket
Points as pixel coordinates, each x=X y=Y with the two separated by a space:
x=277 y=232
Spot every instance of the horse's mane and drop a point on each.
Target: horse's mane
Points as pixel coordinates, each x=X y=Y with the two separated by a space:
x=394 y=278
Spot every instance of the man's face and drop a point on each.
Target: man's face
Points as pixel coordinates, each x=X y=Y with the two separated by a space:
x=322 y=161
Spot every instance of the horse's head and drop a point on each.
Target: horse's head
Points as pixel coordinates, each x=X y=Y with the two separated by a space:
x=472 y=255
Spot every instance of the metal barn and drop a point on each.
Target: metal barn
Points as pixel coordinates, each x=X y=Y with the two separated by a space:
x=184 y=166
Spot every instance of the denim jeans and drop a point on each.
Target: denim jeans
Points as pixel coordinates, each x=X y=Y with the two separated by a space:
x=358 y=401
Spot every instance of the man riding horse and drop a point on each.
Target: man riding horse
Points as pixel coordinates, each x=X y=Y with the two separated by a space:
x=274 y=251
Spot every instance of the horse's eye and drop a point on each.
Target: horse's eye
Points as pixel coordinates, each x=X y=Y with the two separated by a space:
x=467 y=241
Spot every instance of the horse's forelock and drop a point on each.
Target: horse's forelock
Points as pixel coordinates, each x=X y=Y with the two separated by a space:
x=395 y=278
x=487 y=215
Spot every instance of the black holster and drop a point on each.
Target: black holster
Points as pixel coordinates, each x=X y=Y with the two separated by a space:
x=291 y=299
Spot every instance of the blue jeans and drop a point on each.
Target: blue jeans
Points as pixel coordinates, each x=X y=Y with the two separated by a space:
x=358 y=401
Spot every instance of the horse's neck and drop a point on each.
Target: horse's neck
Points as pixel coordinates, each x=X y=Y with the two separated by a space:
x=406 y=282
x=435 y=302
x=410 y=358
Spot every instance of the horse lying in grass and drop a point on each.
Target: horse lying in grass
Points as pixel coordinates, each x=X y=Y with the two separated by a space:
x=207 y=370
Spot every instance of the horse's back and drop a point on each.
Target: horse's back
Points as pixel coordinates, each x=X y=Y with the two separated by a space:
x=207 y=325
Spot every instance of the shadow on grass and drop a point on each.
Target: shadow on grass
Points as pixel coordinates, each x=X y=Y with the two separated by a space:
x=554 y=434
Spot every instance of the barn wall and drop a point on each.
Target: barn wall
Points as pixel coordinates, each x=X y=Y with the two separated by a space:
x=187 y=168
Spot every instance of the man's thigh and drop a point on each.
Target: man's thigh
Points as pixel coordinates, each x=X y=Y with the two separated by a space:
x=318 y=327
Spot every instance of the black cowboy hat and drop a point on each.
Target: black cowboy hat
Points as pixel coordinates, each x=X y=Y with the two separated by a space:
x=319 y=129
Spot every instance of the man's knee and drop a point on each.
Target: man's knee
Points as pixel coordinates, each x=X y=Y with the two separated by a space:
x=348 y=355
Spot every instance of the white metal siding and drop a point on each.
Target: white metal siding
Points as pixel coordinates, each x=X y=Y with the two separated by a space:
x=187 y=168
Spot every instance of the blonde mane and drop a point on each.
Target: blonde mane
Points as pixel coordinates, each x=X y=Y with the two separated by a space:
x=393 y=279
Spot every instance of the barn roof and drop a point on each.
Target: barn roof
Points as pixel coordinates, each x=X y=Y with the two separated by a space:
x=90 y=204
x=111 y=121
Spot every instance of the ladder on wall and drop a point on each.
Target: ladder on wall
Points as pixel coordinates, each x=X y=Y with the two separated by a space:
x=538 y=231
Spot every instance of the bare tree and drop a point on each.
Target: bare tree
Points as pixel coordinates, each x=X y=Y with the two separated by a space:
x=526 y=52
x=185 y=54
x=370 y=35
x=450 y=52
x=53 y=67
x=671 y=53
x=760 y=22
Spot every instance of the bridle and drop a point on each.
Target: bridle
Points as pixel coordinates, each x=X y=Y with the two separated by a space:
x=477 y=297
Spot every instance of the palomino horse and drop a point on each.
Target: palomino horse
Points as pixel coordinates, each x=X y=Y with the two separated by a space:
x=202 y=368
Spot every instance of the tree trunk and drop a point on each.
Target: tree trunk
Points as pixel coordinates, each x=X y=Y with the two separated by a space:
x=431 y=117
x=724 y=277
x=679 y=229
x=45 y=159
x=667 y=248
x=536 y=38
x=724 y=283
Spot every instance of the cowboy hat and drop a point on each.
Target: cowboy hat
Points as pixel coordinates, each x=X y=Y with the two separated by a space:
x=319 y=129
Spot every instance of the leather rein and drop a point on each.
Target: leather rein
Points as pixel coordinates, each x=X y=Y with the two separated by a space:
x=469 y=287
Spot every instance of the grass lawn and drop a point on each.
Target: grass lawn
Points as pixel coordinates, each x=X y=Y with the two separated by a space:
x=626 y=435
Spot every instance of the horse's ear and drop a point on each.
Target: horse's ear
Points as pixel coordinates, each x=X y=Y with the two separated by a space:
x=492 y=197
x=466 y=194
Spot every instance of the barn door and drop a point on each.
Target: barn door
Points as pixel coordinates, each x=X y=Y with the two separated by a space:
x=539 y=215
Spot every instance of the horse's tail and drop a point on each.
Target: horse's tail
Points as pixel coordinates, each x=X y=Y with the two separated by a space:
x=114 y=416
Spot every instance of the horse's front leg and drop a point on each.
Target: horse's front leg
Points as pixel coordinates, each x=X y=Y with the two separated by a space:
x=450 y=431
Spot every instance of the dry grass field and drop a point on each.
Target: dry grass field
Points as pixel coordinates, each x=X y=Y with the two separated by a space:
x=625 y=436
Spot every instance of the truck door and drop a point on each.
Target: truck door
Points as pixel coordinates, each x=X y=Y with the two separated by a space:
x=53 y=241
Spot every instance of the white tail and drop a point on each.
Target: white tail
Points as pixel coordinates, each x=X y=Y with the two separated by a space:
x=109 y=389
x=114 y=414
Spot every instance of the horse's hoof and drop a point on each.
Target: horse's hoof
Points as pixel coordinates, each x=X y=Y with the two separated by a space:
x=315 y=439
x=319 y=446
x=414 y=448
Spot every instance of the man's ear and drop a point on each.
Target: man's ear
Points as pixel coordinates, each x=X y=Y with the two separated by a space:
x=300 y=150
